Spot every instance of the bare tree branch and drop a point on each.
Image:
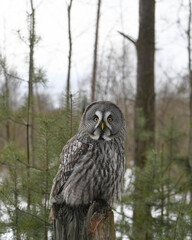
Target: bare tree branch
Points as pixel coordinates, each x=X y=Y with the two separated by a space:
x=131 y=39
x=16 y=77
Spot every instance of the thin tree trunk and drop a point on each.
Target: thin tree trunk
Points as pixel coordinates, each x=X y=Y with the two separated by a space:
x=28 y=140
x=162 y=188
x=190 y=83
x=94 y=76
x=28 y=168
x=190 y=93
x=69 y=56
x=46 y=181
x=31 y=77
x=71 y=115
x=16 y=202
x=30 y=108
x=6 y=99
x=7 y=105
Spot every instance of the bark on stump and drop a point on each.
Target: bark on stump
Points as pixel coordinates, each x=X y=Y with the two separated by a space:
x=93 y=222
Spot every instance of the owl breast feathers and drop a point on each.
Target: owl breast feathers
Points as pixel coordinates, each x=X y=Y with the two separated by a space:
x=92 y=162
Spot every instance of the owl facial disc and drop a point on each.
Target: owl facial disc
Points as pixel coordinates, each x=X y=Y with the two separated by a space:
x=102 y=121
x=102 y=128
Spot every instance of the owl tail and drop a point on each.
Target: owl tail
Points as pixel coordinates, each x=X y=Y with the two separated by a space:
x=70 y=223
x=84 y=222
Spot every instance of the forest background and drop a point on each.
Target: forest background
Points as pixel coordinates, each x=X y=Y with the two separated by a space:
x=58 y=56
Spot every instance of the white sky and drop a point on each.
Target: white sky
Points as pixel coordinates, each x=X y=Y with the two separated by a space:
x=52 y=51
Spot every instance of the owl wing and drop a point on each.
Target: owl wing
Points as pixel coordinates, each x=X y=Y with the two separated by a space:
x=69 y=156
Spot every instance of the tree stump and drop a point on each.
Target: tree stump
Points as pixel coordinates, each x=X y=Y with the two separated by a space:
x=91 y=222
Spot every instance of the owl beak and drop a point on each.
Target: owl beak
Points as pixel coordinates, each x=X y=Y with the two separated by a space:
x=102 y=126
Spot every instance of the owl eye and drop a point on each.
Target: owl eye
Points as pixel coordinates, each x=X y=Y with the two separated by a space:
x=109 y=119
x=95 y=119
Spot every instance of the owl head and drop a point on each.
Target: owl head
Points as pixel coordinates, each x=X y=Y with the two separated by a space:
x=102 y=120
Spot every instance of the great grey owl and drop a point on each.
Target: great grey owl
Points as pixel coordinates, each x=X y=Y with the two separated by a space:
x=92 y=162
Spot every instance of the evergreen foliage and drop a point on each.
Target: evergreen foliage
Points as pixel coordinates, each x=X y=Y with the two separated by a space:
x=22 y=182
x=165 y=187
x=165 y=179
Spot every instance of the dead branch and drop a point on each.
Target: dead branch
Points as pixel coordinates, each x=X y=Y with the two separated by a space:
x=131 y=39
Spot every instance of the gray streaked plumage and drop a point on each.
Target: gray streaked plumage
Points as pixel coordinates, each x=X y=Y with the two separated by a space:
x=92 y=162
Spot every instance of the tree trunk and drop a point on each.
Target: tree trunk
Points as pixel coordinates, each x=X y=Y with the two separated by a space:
x=7 y=101
x=95 y=53
x=190 y=83
x=31 y=78
x=144 y=112
x=189 y=164
x=30 y=107
x=46 y=197
x=69 y=56
x=145 y=97
x=94 y=222
x=16 y=232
